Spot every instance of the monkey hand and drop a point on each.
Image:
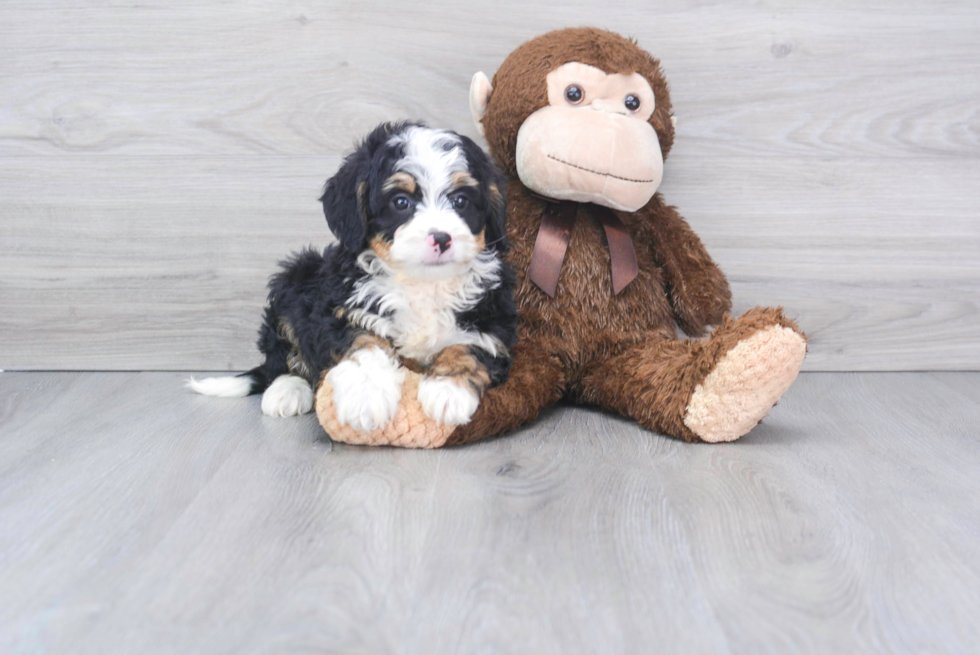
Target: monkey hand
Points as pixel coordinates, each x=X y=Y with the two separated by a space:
x=699 y=299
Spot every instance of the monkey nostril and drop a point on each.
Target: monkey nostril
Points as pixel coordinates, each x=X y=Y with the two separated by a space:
x=441 y=239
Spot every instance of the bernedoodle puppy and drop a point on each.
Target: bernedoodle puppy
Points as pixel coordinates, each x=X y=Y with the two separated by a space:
x=417 y=279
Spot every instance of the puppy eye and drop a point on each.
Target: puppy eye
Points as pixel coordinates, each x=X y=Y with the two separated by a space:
x=401 y=203
x=460 y=202
x=632 y=102
x=574 y=94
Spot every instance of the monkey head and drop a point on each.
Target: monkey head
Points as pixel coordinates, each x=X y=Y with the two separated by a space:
x=578 y=114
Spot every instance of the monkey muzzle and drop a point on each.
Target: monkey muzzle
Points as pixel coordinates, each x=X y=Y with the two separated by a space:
x=589 y=155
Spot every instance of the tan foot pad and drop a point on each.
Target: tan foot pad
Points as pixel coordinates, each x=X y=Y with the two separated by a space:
x=410 y=428
x=745 y=384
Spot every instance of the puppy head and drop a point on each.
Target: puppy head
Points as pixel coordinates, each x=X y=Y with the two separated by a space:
x=426 y=201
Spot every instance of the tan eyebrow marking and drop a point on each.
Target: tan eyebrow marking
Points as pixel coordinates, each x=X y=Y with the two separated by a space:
x=463 y=179
x=402 y=181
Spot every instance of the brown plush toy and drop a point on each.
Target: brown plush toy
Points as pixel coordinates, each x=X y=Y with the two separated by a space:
x=580 y=122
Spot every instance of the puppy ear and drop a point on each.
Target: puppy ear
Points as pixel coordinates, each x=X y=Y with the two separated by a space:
x=345 y=195
x=494 y=186
x=344 y=198
x=497 y=218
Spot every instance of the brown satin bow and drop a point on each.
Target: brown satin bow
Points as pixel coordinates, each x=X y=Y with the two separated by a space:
x=552 y=243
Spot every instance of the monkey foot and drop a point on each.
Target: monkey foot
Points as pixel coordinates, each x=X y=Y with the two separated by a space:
x=410 y=427
x=745 y=384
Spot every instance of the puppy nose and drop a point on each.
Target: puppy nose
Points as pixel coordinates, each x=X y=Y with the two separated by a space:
x=441 y=239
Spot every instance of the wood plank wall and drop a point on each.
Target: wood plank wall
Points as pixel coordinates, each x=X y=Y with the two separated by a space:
x=157 y=159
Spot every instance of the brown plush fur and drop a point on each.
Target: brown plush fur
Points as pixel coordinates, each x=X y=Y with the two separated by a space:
x=618 y=352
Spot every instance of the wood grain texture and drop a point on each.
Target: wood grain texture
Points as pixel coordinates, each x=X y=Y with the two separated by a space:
x=137 y=517
x=157 y=159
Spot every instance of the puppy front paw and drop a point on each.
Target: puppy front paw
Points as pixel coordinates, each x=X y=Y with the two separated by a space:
x=367 y=388
x=446 y=401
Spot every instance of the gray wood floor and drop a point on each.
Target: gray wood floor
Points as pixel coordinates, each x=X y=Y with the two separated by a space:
x=137 y=518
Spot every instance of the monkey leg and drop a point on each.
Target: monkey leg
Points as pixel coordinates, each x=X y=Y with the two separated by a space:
x=536 y=380
x=712 y=390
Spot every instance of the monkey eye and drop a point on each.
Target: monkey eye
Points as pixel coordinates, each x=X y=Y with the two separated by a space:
x=632 y=102
x=460 y=202
x=401 y=203
x=574 y=94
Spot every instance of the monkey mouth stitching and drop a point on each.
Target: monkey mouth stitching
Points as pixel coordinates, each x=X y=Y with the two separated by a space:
x=589 y=170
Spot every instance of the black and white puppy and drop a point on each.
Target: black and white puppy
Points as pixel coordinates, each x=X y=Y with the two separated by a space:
x=417 y=274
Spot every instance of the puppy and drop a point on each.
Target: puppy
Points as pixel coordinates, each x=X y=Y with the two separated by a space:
x=417 y=278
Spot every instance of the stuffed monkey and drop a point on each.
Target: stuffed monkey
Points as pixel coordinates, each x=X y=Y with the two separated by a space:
x=583 y=117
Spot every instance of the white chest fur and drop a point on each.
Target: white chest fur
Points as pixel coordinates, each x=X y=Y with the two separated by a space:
x=419 y=316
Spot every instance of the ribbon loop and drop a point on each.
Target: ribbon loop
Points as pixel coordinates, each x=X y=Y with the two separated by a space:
x=622 y=254
x=553 y=237
x=550 y=245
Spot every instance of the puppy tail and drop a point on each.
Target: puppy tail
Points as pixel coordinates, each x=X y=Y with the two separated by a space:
x=237 y=386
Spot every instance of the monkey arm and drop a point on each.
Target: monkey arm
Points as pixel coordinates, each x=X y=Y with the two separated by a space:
x=698 y=290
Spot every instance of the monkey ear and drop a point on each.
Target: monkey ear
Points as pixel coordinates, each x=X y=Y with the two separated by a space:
x=344 y=203
x=673 y=122
x=480 y=90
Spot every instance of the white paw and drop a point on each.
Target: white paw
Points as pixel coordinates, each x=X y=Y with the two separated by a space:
x=366 y=389
x=288 y=395
x=445 y=401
